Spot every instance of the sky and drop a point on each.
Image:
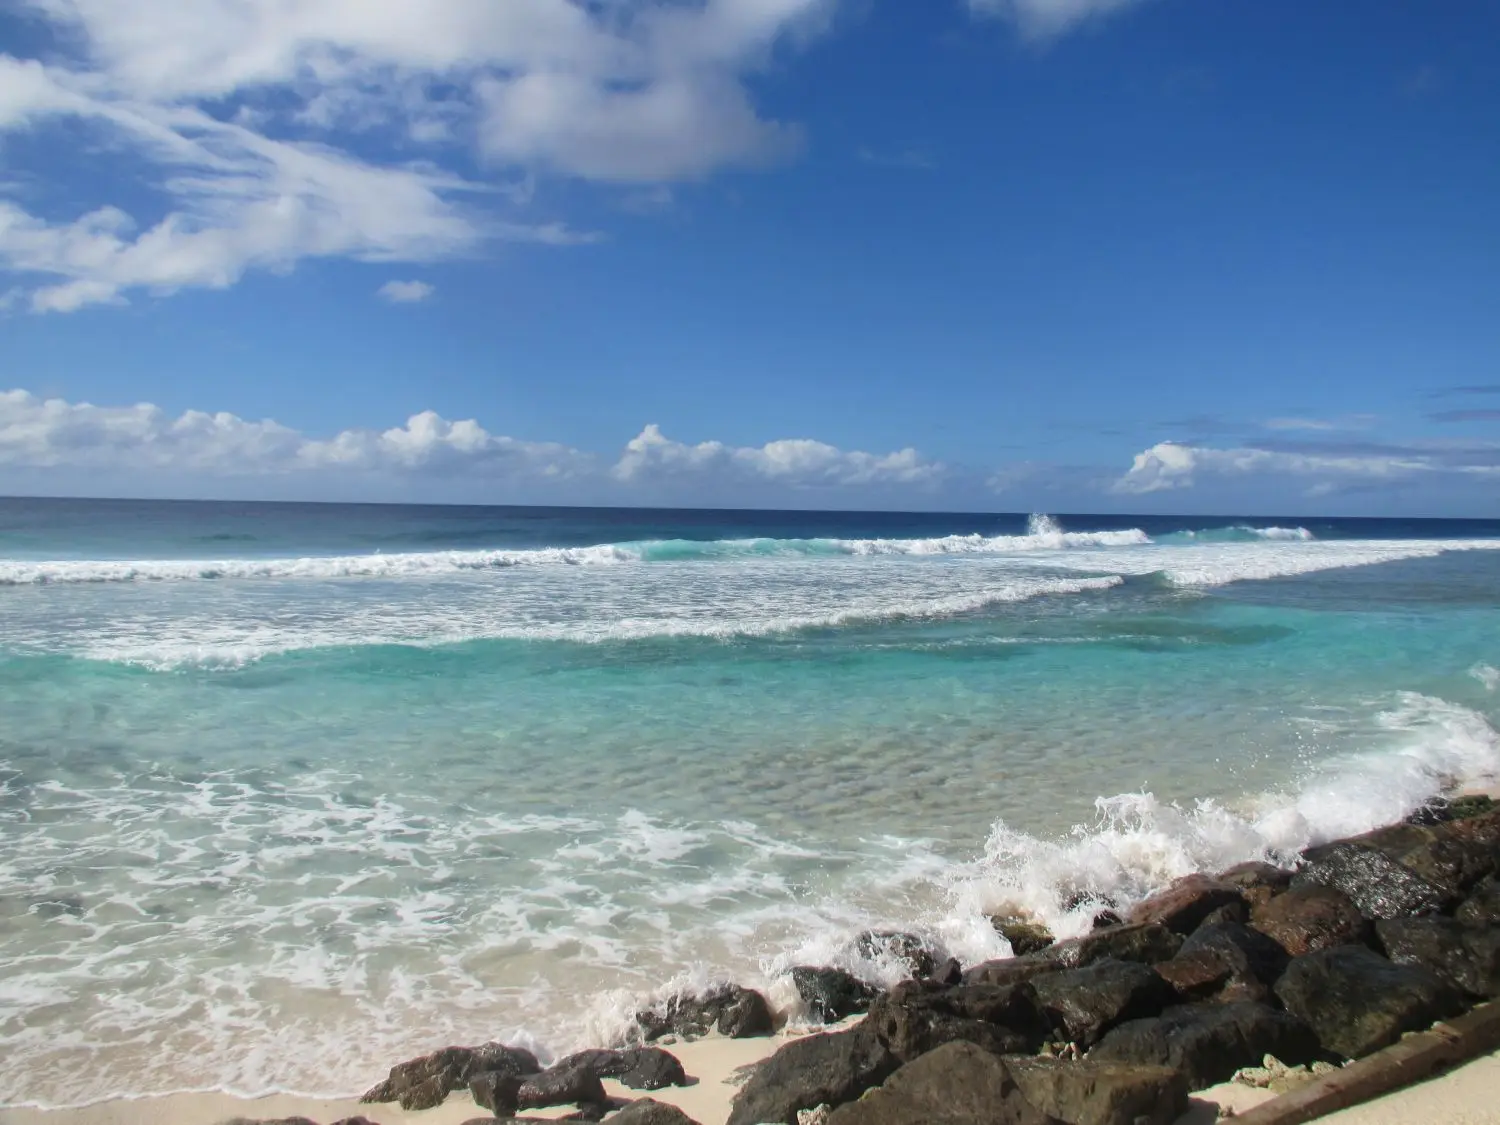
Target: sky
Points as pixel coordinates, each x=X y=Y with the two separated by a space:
x=998 y=255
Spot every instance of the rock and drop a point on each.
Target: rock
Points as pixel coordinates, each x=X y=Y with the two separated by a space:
x=1082 y=1004
x=950 y=972
x=911 y=1021
x=889 y=945
x=499 y=1093
x=1225 y=961
x=1207 y=1043
x=1147 y=943
x=1011 y=970
x=1024 y=935
x=1310 y=917
x=559 y=1085
x=1466 y=958
x=826 y=1069
x=640 y=1068
x=1452 y=856
x=352 y=1121
x=832 y=994
x=648 y=1112
x=1105 y=919
x=1357 y=1002
x=734 y=1012
x=818 y=1115
x=1184 y=905
x=1442 y=810
x=1482 y=907
x=1259 y=883
x=1085 y=1092
x=1377 y=885
x=1236 y=912
x=957 y=1084
x=424 y=1082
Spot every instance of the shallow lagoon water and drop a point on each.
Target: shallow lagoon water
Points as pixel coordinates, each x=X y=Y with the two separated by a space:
x=289 y=792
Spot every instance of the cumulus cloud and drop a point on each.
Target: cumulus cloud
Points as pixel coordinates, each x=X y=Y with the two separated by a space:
x=38 y=433
x=1170 y=465
x=54 y=434
x=1047 y=19
x=405 y=292
x=271 y=130
x=798 y=462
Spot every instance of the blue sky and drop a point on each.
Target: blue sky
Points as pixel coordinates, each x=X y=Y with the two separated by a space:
x=1086 y=255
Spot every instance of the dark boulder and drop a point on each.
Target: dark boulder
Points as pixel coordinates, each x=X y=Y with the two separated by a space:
x=950 y=972
x=1357 y=1002
x=1207 y=1043
x=1023 y=935
x=908 y=950
x=831 y=994
x=1226 y=962
x=424 y=1082
x=957 y=1084
x=1466 y=958
x=648 y=1112
x=1451 y=856
x=911 y=1021
x=1184 y=905
x=1311 y=917
x=1236 y=912
x=499 y=1093
x=1146 y=942
x=1443 y=810
x=732 y=1011
x=1482 y=907
x=1377 y=885
x=640 y=1068
x=573 y=1085
x=1082 y=1004
x=1085 y=1092
x=1011 y=970
x=828 y=1069
x=1258 y=883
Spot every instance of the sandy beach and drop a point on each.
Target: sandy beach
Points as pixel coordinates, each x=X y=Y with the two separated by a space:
x=1464 y=1096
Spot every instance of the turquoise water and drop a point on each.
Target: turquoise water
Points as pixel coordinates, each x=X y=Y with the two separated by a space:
x=289 y=792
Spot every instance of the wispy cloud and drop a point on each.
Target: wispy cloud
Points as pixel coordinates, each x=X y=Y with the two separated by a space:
x=405 y=292
x=1047 y=19
x=260 y=126
x=1472 y=389
x=1170 y=466
x=1466 y=416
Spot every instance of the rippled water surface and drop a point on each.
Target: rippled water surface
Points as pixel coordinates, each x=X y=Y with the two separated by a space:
x=288 y=792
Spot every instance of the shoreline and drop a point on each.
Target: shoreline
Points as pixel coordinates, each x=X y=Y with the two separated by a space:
x=715 y=1064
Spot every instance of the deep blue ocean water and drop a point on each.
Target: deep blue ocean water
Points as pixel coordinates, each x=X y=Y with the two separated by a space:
x=288 y=792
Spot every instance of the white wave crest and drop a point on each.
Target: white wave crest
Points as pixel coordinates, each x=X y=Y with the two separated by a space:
x=1140 y=844
x=216 y=648
x=1486 y=674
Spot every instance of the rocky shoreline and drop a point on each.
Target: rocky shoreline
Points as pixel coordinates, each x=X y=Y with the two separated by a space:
x=1369 y=938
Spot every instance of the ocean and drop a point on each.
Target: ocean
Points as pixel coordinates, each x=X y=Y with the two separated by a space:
x=291 y=792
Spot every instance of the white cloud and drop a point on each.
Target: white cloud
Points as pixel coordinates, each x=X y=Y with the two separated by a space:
x=797 y=462
x=41 y=433
x=248 y=115
x=54 y=434
x=1170 y=465
x=1047 y=19
x=405 y=292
